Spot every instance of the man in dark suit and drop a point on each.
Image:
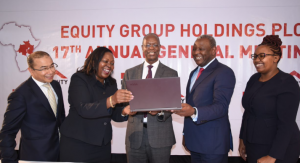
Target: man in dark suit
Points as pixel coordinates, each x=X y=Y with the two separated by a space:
x=149 y=136
x=36 y=107
x=210 y=86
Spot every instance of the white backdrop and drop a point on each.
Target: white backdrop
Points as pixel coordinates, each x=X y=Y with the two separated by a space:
x=68 y=30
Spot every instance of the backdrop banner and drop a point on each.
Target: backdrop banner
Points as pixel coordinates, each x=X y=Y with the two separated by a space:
x=70 y=30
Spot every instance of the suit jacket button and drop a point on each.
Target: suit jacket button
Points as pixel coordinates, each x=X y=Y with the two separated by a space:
x=104 y=93
x=105 y=123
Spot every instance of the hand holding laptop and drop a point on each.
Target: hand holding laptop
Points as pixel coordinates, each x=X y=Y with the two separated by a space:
x=186 y=110
x=121 y=96
x=126 y=111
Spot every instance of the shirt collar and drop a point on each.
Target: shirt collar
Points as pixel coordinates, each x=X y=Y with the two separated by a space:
x=155 y=64
x=207 y=64
x=38 y=82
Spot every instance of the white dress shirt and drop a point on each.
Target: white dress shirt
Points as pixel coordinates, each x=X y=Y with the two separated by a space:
x=145 y=73
x=44 y=89
x=193 y=80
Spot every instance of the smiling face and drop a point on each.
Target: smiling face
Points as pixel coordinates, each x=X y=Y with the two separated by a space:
x=151 y=53
x=105 y=67
x=45 y=76
x=269 y=63
x=202 y=52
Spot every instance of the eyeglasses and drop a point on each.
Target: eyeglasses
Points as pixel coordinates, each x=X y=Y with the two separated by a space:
x=261 y=56
x=52 y=67
x=153 y=45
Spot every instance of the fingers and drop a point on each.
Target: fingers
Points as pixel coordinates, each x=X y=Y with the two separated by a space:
x=178 y=112
x=122 y=96
x=186 y=149
x=126 y=110
x=243 y=155
x=132 y=113
x=242 y=149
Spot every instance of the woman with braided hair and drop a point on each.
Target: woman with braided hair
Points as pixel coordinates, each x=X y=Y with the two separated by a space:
x=269 y=132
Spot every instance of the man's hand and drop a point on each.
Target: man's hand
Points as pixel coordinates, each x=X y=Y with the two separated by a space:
x=186 y=110
x=242 y=149
x=266 y=159
x=126 y=111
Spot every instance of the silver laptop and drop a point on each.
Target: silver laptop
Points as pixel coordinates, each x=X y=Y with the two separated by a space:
x=155 y=94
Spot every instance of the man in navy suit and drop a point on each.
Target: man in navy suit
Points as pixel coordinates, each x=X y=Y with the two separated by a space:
x=36 y=108
x=210 y=86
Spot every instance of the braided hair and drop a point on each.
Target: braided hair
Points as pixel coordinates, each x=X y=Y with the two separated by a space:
x=274 y=43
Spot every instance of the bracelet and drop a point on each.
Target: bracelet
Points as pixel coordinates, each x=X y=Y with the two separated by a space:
x=110 y=101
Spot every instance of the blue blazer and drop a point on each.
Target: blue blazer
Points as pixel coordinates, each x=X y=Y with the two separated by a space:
x=28 y=110
x=211 y=95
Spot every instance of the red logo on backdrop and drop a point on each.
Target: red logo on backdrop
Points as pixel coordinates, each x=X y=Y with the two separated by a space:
x=23 y=44
x=62 y=78
x=60 y=75
x=182 y=99
x=297 y=75
x=26 y=48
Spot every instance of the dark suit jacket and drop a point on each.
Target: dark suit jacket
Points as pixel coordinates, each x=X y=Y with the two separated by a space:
x=211 y=95
x=270 y=113
x=160 y=128
x=89 y=119
x=28 y=109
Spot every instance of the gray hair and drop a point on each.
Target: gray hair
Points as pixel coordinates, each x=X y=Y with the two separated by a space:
x=151 y=34
x=211 y=40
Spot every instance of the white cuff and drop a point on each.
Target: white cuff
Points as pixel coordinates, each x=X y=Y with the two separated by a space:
x=195 y=116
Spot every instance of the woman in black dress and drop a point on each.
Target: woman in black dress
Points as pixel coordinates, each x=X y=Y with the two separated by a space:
x=93 y=97
x=269 y=132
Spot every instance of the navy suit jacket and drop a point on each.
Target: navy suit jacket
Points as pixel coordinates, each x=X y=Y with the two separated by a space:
x=28 y=109
x=270 y=114
x=211 y=95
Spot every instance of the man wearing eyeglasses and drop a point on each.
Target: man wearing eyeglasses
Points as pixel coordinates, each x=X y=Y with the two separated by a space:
x=36 y=108
x=207 y=133
x=149 y=136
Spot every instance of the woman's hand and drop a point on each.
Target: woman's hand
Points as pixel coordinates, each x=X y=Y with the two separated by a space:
x=183 y=144
x=126 y=111
x=242 y=149
x=121 y=96
x=266 y=159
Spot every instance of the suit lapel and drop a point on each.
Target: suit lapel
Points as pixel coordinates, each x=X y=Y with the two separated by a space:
x=210 y=69
x=40 y=95
x=160 y=70
x=139 y=73
x=189 y=83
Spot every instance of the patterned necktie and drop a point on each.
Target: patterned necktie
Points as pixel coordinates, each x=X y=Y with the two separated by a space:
x=149 y=76
x=51 y=98
x=200 y=72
